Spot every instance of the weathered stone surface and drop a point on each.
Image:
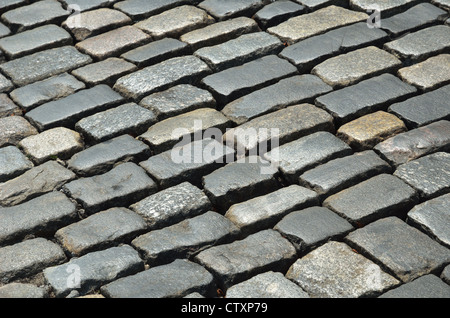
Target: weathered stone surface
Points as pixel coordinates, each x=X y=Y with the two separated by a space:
x=95 y=269
x=415 y=143
x=104 y=156
x=235 y=262
x=172 y=205
x=305 y=153
x=342 y=71
x=335 y=271
x=367 y=131
x=53 y=88
x=7 y=107
x=427 y=286
x=174 y=22
x=22 y=291
x=28 y=258
x=12 y=163
x=320 y=21
x=189 y=162
x=338 y=174
x=67 y=111
x=277 y=12
x=5 y=84
x=100 y=230
x=25 y=70
x=107 y=71
x=11 y=4
x=178 y=70
x=265 y=211
x=185 y=239
x=224 y=10
x=311 y=227
x=173 y=280
x=35 y=182
x=58 y=142
x=442 y=3
x=178 y=99
x=389 y=241
x=125 y=119
x=138 y=9
x=14 y=129
x=384 y=195
x=433 y=217
x=317 y=4
x=121 y=186
x=368 y=96
x=266 y=285
x=386 y=7
x=445 y=276
x=429 y=175
x=241 y=80
x=84 y=5
x=44 y=214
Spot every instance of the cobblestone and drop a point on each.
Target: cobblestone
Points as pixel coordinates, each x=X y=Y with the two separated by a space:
x=7 y=107
x=12 y=163
x=277 y=12
x=427 y=286
x=20 y=291
x=14 y=129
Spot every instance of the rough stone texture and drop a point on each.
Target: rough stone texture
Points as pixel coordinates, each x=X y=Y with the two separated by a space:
x=386 y=7
x=389 y=242
x=107 y=71
x=22 y=291
x=7 y=107
x=139 y=9
x=14 y=129
x=335 y=271
x=445 y=276
x=427 y=286
x=12 y=163
x=224 y=10
x=277 y=12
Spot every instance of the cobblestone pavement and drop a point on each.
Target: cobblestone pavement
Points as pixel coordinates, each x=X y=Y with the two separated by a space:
x=242 y=148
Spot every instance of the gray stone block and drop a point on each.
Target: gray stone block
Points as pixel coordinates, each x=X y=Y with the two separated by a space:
x=8 y=108
x=104 y=72
x=224 y=10
x=277 y=12
x=12 y=163
x=22 y=291
x=14 y=129
x=427 y=286
x=139 y=9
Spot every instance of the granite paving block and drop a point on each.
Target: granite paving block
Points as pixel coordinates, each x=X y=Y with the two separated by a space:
x=342 y=71
x=368 y=96
x=419 y=45
x=266 y=285
x=67 y=111
x=42 y=215
x=290 y=91
x=177 y=100
x=185 y=239
x=129 y=118
x=282 y=126
x=174 y=22
x=429 y=175
x=369 y=130
x=100 y=230
x=265 y=211
x=240 y=80
x=5 y=84
x=7 y=107
x=317 y=4
x=178 y=70
x=335 y=271
x=54 y=143
x=388 y=7
x=104 y=72
x=240 y=180
x=37 y=39
x=389 y=242
x=427 y=286
x=94 y=269
x=429 y=74
x=125 y=184
x=277 y=12
x=26 y=70
x=433 y=218
x=14 y=129
x=34 y=182
x=219 y=32
x=225 y=10
x=238 y=51
x=85 y=5
x=309 y=228
x=12 y=163
x=314 y=23
x=138 y=9
x=338 y=174
x=415 y=143
x=104 y=156
x=53 y=88
x=189 y=162
x=384 y=195
x=174 y=280
x=424 y=109
x=28 y=258
x=237 y=261
x=179 y=130
x=113 y=43
x=22 y=291
x=172 y=205
x=305 y=153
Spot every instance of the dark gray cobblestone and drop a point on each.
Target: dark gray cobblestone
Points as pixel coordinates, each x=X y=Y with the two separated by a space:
x=128 y=130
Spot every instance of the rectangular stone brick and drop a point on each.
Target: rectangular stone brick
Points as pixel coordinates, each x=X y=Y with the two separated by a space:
x=22 y=290
x=237 y=81
x=5 y=84
x=386 y=7
x=14 y=129
x=290 y=91
x=69 y=110
x=84 y=5
x=139 y=9
x=277 y=12
x=317 y=4
x=235 y=262
x=121 y=186
x=8 y=108
x=12 y=163
x=224 y=10
x=338 y=174
x=178 y=70
x=426 y=286
x=25 y=70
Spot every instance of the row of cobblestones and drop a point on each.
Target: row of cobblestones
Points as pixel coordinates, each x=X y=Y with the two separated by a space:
x=97 y=97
